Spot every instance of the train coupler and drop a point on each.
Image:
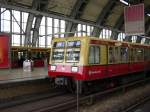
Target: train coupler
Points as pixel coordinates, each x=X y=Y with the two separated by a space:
x=61 y=81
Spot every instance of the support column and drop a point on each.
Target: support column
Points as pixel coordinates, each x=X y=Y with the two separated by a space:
x=138 y=40
x=28 y=29
x=0 y=19
x=21 y=29
x=46 y=32
x=36 y=30
x=11 y=27
x=114 y=35
x=128 y=38
x=76 y=13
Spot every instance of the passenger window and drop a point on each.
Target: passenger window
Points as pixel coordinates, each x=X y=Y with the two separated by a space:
x=139 y=54
x=97 y=54
x=124 y=55
x=91 y=56
x=149 y=55
x=94 y=55
x=111 y=55
x=145 y=54
x=116 y=55
x=132 y=55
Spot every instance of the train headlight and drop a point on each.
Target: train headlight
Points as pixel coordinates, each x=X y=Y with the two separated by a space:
x=53 y=67
x=74 y=69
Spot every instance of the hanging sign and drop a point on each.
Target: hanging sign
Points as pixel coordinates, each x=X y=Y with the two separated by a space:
x=134 y=20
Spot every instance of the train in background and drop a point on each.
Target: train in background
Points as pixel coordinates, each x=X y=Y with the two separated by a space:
x=96 y=63
x=38 y=55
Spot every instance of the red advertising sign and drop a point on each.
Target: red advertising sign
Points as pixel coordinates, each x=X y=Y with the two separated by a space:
x=4 y=51
x=134 y=20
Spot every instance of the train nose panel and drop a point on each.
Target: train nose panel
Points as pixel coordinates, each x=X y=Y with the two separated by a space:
x=76 y=72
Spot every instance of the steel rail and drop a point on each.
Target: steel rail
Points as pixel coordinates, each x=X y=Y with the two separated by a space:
x=72 y=103
x=134 y=106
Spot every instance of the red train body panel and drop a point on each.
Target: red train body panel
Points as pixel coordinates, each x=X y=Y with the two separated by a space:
x=98 y=72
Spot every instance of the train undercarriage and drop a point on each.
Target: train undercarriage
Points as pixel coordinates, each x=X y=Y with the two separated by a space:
x=88 y=87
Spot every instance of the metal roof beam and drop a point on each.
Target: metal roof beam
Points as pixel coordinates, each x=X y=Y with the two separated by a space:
x=118 y=25
x=76 y=13
x=28 y=29
x=37 y=5
x=36 y=30
x=29 y=24
x=51 y=14
x=103 y=16
x=41 y=5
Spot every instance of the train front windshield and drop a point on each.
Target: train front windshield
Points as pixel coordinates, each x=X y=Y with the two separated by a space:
x=58 y=51
x=73 y=51
x=69 y=50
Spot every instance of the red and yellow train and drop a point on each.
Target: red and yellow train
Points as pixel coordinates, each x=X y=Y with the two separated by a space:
x=89 y=59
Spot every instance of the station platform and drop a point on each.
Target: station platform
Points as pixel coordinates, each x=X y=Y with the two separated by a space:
x=18 y=75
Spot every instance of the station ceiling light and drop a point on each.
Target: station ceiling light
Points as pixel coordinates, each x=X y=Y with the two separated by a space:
x=124 y=2
x=148 y=14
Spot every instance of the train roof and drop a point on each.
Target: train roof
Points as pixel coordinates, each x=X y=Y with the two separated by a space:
x=116 y=42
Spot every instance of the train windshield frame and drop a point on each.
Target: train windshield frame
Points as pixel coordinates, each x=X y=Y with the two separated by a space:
x=58 y=51
x=73 y=51
x=59 y=44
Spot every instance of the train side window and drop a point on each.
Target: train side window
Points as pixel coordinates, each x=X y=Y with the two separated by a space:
x=94 y=55
x=111 y=55
x=149 y=54
x=145 y=54
x=91 y=55
x=97 y=54
x=124 y=55
x=116 y=55
x=133 y=55
x=139 y=54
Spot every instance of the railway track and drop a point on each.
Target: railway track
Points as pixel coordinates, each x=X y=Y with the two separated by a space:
x=25 y=99
x=37 y=106
x=137 y=104
x=65 y=102
x=72 y=104
x=9 y=90
x=125 y=100
x=16 y=93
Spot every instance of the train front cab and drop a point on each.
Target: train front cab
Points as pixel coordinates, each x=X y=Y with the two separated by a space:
x=68 y=57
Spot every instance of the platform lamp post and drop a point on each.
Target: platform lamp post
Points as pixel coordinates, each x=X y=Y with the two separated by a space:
x=9 y=53
x=77 y=96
